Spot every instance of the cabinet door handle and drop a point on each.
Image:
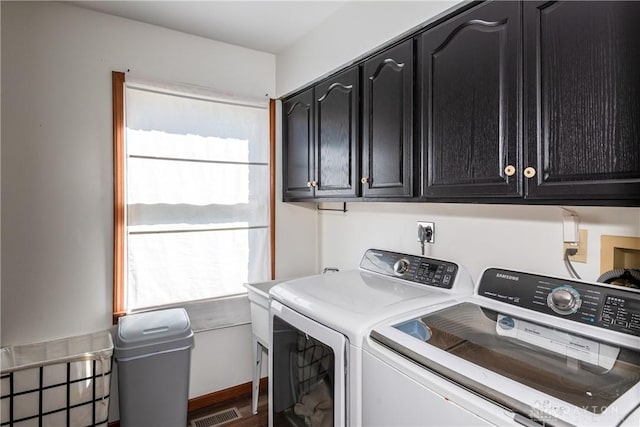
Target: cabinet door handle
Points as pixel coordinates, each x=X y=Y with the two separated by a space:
x=364 y=180
x=510 y=170
x=530 y=172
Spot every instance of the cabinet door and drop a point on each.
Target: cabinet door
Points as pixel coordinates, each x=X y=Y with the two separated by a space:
x=387 y=122
x=297 y=146
x=470 y=101
x=336 y=120
x=582 y=75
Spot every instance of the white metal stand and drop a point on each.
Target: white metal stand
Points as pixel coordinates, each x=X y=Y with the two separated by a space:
x=258 y=347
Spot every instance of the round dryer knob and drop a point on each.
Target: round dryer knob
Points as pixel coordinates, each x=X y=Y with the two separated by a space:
x=564 y=300
x=401 y=266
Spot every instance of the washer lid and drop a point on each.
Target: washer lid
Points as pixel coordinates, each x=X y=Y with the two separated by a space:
x=353 y=301
x=547 y=373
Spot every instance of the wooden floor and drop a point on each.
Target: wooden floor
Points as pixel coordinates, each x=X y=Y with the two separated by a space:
x=243 y=405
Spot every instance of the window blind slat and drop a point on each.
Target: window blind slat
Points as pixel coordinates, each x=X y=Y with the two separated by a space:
x=197 y=196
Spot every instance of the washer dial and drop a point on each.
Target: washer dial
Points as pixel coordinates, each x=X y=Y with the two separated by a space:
x=564 y=300
x=401 y=266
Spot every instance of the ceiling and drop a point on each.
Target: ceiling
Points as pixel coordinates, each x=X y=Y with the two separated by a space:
x=267 y=26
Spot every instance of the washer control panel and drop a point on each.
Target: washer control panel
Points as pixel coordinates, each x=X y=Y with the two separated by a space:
x=617 y=309
x=417 y=269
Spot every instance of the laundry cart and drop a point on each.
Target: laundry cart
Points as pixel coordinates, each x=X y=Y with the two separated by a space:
x=63 y=382
x=153 y=356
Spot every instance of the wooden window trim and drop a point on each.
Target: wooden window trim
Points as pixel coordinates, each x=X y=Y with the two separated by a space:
x=118 y=85
x=272 y=176
x=118 y=79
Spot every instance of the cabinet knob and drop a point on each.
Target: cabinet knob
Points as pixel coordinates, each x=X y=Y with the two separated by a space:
x=309 y=184
x=314 y=184
x=364 y=180
x=530 y=172
x=509 y=170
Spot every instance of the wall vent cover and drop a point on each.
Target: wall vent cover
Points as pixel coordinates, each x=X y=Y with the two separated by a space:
x=217 y=419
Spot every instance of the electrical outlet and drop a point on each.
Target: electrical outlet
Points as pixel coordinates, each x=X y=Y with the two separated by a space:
x=581 y=255
x=429 y=228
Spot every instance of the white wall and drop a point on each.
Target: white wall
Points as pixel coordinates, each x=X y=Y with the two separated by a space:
x=0 y=186
x=355 y=29
x=296 y=228
x=57 y=214
x=521 y=237
x=56 y=171
x=477 y=236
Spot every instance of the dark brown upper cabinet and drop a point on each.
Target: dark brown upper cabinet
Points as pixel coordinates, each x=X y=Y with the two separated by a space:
x=582 y=112
x=387 y=123
x=500 y=102
x=337 y=136
x=298 y=147
x=469 y=74
x=320 y=140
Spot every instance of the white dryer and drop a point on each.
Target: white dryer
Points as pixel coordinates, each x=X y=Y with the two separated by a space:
x=318 y=325
x=525 y=349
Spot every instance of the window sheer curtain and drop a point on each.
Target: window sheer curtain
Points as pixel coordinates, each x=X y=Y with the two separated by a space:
x=197 y=195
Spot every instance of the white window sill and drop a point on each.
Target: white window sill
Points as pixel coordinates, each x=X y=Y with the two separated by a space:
x=217 y=313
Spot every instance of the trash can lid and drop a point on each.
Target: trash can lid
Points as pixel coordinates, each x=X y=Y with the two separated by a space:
x=153 y=331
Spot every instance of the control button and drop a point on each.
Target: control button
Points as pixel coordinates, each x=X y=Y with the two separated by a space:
x=635 y=326
x=620 y=323
x=450 y=269
x=446 y=279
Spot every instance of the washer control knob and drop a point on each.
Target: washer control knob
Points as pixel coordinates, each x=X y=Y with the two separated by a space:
x=564 y=300
x=401 y=266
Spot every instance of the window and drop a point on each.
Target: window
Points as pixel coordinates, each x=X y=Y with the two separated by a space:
x=193 y=195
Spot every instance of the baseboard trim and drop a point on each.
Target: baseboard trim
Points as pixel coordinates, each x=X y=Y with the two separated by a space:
x=231 y=393
x=235 y=392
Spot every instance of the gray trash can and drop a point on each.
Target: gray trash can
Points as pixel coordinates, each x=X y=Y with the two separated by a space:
x=153 y=353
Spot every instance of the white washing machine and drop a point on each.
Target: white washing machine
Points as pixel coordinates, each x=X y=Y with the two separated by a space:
x=318 y=325
x=525 y=349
